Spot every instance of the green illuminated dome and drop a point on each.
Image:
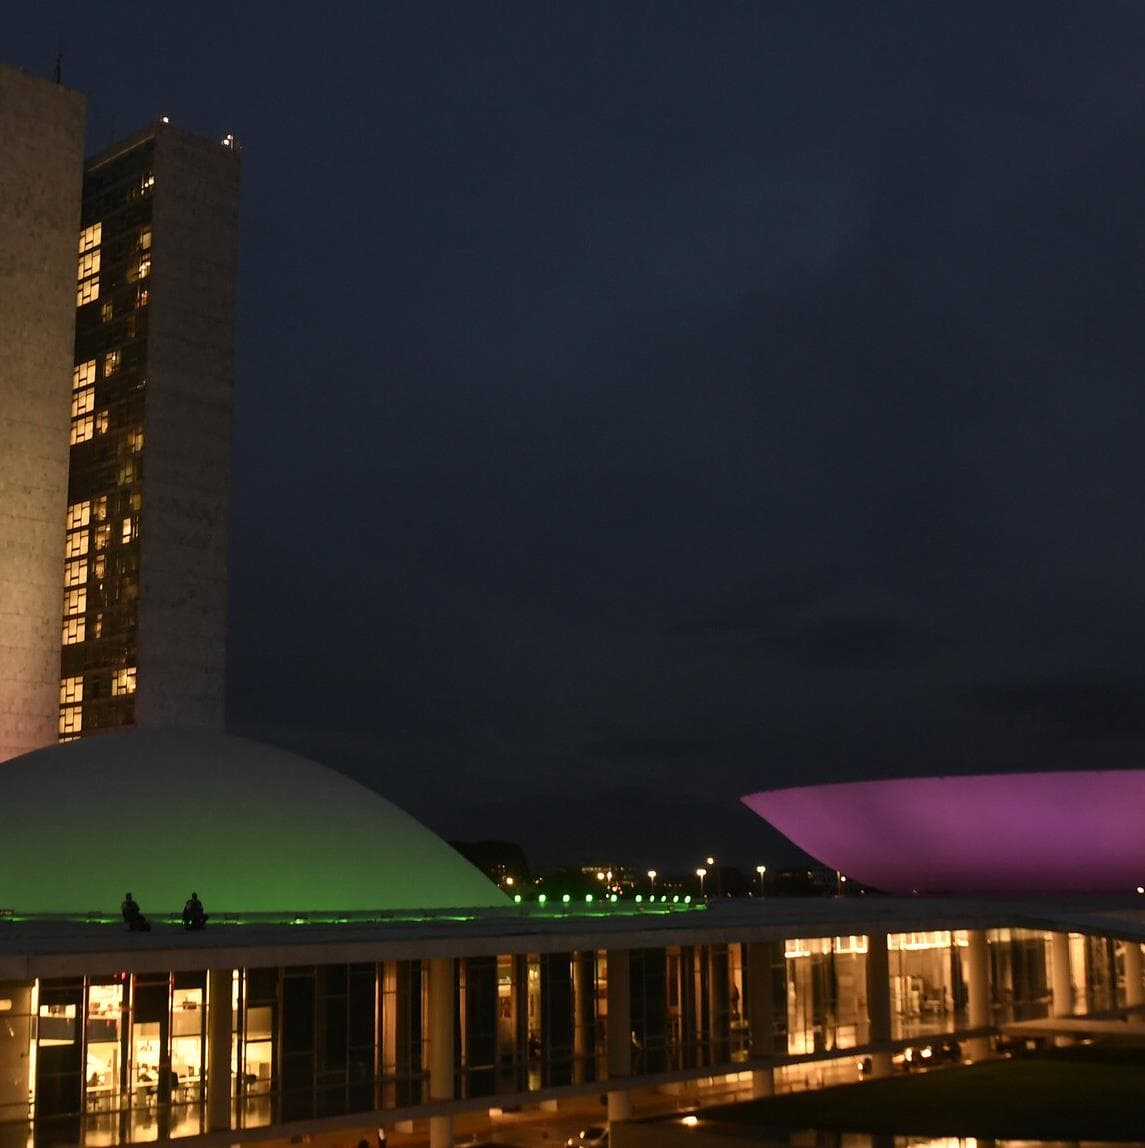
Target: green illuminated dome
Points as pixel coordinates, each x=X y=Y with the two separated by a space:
x=249 y=827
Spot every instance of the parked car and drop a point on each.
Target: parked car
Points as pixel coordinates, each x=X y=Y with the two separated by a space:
x=594 y=1136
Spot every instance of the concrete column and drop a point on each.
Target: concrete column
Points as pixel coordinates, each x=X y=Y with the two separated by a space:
x=619 y=1105
x=619 y=1015
x=1134 y=990
x=1061 y=982
x=762 y=1083
x=978 y=992
x=441 y=1047
x=760 y=1019
x=879 y=1003
x=581 y=992
x=619 y=1032
x=220 y=1023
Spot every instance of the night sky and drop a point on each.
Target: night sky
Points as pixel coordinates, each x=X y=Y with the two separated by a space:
x=639 y=405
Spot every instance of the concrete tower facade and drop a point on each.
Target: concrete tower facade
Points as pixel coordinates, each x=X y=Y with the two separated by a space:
x=41 y=166
x=144 y=582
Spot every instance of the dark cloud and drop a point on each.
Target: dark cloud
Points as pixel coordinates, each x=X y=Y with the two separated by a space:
x=1078 y=708
x=638 y=406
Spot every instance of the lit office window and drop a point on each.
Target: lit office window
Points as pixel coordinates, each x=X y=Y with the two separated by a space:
x=141 y=297
x=144 y=267
x=102 y=536
x=101 y=422
x=75 y=601
x=135 y=440
x=123 y=682
x=76 y=544
x=111 y=362
x=82 y=429
x=71 y=690
x=128 y=530
x=83 y=402
x=73 y=631
x=126 y=474
x=75 y=573
x=71 y=721
x=90 y=237
x=84 y=375
x=106 y=311
x=100 y=508
x=79 y=514
x=87 y=291
x=146 y=182
x=145 y=239
x=87 y=264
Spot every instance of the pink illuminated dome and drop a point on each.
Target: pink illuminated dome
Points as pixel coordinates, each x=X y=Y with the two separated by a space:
x=991 y=833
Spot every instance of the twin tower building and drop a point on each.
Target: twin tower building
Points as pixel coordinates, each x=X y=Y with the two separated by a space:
x=117 y=303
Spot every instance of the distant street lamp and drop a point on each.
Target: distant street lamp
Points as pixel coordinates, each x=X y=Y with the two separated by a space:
x=713 y=867
x=652 y=879
x=761 y=869
x=701 y=873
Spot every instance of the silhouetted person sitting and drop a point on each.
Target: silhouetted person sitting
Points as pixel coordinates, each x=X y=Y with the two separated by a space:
x=193 y=915
x=136 y=921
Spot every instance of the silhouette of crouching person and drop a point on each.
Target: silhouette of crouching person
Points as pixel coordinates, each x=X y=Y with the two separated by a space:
x=193 y=915
x=134 y=918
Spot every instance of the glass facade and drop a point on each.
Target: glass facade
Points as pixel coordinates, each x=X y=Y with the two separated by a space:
x=124 y=1058
x=105 y=485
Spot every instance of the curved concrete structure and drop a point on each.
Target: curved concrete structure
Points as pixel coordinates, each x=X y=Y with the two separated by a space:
x=251 y=828
x=992 y=833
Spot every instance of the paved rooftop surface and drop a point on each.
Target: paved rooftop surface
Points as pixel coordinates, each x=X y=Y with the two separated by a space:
x=54 y=947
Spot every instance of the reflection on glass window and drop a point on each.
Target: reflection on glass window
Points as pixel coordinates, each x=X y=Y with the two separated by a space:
x=83 y=375
x=83 y=402
x=57 y=1024
x=79 y=514
x=87 y=291
x=88 y=264
x=90 y=237
x=104 y=1019
x=82 y=429
x=71 y=721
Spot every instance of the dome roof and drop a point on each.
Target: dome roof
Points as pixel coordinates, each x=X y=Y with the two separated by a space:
x=249 y=827
x=1072 y=831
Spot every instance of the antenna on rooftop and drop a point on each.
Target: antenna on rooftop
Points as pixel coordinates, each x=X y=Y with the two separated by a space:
x=58 y=75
